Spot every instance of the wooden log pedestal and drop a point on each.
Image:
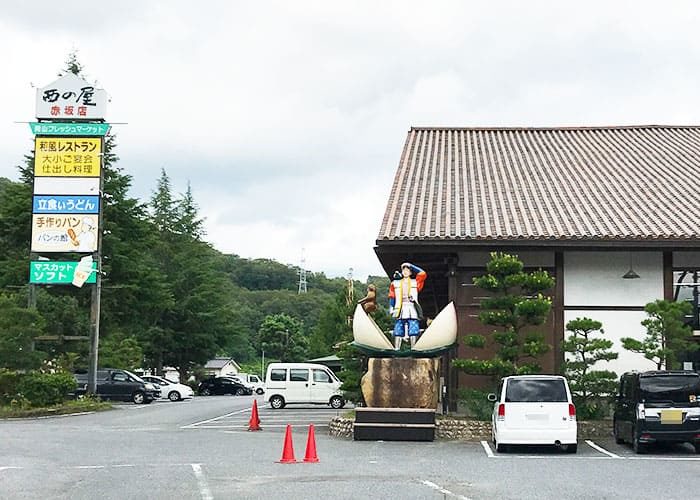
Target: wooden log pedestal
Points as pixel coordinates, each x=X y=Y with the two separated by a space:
x=401 y=396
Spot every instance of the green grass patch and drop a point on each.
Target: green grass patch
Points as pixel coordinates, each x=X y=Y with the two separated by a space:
x=65 y=408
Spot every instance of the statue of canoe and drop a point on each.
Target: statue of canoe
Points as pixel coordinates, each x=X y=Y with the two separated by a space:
x=439 y=337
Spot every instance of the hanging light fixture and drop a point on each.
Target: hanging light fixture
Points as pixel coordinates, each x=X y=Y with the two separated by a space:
x=630 y=275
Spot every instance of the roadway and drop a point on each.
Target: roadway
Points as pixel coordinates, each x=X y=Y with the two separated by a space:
x=200 y=449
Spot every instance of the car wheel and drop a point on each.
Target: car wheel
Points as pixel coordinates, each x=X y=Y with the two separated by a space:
x=277 y=402
x=697 y=448
x=174 y=396
x=205 y=392
x=616 y=432
x=337 y=402
x=571 y=448
x=240 y=392
x=138 y=397
x=259 y=391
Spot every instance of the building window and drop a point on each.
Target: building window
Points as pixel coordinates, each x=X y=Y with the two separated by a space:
x=686 y=288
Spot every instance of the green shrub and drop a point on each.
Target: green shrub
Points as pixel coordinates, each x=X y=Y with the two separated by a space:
x=9 y=380
x=45 y=389
x=477 y=403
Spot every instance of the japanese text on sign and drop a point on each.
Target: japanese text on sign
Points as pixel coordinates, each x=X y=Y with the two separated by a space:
x=55 y=272
x=70 y=97
x=51 y=204
x=64 y=233
x=89 y=129
x=67 y=157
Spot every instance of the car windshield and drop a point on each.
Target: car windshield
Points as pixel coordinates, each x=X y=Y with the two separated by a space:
x=670 y=388
x=134 y=376
x=531 y=390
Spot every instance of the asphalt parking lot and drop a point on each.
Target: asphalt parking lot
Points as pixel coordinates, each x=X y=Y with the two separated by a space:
x=200 y=449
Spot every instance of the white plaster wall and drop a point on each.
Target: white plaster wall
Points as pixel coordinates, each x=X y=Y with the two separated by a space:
x=229 y=369
x=618 y=324
x=595 y=278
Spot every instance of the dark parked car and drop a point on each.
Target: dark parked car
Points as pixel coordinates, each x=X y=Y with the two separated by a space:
x=222 y=385
x=658 y=406
x=120 y=385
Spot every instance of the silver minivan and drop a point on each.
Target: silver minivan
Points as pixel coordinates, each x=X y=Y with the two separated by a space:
x=533 y=410
x=287 y=383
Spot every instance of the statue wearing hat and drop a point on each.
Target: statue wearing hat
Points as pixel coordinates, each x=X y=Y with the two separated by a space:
x=403 y=299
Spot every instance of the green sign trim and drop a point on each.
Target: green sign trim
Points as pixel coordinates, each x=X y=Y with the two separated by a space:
x=56 y=272
x=60 y=128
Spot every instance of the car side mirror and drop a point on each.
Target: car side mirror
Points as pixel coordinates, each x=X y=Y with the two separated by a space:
x=492 y=397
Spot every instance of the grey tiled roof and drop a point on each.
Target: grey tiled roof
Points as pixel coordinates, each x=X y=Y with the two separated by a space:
x=217 y=363
x=598 y=183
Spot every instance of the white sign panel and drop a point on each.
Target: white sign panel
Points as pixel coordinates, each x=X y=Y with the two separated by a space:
x=64 y=232
x=67 y=185
x=71 y=98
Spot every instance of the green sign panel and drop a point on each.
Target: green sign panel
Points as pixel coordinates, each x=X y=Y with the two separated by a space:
x=55 y=272
x=56 y=128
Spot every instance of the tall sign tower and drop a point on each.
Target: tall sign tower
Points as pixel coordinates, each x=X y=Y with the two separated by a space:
x=68 y=186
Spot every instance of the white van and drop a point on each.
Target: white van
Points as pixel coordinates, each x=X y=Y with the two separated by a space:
x=533 y=409
x=302 y=383
x=250 y=380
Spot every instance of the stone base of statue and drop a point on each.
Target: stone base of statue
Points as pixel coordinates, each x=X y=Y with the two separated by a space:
x=401 y=396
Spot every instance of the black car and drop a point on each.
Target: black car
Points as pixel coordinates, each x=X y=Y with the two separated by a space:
x=658 y=406
x=222 y=385
x=120 y=385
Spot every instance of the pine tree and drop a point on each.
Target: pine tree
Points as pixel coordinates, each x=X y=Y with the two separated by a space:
x=590 y=388
x=189 y=222
x=667 y=334
x=164 y=211
x=516 y=304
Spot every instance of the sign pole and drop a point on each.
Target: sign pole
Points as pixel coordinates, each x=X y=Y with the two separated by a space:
x=96 y=296
x=95 y=329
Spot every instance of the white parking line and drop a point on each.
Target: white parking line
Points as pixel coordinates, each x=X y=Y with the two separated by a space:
x=202 y=482
x=443 y=490
x=67 y=415
x=262 y=425
x=8 y=467
x=191 y=426
x=602 y=450
x=487 y=449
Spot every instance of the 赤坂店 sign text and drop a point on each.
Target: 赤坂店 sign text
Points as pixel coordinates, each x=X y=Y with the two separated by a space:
x=70 y=98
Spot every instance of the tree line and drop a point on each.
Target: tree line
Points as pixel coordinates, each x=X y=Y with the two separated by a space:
x=169 y=298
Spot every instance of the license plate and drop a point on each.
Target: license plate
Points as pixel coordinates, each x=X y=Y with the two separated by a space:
x=671 y=416
x=539 y=417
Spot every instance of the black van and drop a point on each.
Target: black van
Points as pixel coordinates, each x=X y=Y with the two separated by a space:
x=658 y=406
x=120 y=385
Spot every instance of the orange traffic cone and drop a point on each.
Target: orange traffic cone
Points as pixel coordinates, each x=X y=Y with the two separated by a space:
x=311 y=446
x=254 y=422
x=288 y=451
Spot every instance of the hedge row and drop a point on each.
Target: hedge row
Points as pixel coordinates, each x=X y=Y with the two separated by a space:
x=34 y=389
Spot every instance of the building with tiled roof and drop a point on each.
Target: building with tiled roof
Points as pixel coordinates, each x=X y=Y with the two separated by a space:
x=585 y=203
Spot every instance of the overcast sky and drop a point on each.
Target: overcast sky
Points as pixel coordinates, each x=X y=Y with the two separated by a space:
x=288 y=118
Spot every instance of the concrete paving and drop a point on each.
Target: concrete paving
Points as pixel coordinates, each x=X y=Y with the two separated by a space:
x=200 y=449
